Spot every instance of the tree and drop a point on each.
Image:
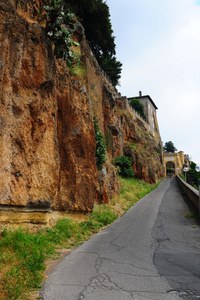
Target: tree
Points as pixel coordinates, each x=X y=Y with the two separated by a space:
x=95 y=18
x=193 y=176
x=138 y=106
x=169 y=147
x=112 y=67
x=193 y=165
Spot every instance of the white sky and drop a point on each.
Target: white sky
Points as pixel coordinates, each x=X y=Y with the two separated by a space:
x=158 y=43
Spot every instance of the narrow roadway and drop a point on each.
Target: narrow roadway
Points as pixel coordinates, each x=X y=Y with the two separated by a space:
x=152 y=252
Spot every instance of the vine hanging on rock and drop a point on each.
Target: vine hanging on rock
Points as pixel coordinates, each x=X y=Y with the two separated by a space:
x=100 y=146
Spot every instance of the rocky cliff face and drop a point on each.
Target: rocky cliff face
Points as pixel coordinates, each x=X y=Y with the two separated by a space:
x=47 y=140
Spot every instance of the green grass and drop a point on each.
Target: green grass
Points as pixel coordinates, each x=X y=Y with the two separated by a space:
x=103 y=214
x=23 y=254
x=132 y=190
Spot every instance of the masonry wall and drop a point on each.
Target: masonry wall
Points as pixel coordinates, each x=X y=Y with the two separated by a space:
x=191 y=193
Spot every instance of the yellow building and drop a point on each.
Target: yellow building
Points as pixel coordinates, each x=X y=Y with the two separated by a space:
x=174 y=163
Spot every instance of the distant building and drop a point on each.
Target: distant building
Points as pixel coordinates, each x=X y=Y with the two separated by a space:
x=149 y=111
x=175 y=163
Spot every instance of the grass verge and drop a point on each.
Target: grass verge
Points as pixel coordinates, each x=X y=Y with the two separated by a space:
x=132 y=190
x=23 y=254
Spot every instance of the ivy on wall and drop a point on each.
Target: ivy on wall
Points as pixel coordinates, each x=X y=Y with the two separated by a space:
x=100 y=146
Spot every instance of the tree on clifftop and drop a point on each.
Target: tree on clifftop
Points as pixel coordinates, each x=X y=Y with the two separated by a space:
x=169 y=147
x=138 y=106
x=95 y=17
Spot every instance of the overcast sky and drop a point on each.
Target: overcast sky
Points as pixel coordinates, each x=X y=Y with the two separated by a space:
x=158 y=43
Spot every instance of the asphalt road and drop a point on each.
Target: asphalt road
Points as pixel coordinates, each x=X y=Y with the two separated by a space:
x=152 y=252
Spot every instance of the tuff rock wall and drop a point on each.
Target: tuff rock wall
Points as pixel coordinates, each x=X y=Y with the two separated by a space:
x=47 y=139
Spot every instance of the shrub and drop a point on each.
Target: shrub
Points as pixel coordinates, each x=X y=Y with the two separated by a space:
x=182 y=177
x=125 y=166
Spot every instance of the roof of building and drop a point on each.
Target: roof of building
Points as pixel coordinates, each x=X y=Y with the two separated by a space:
x=146 y=96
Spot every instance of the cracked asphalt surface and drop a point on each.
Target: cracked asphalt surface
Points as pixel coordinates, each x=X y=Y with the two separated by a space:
x=152 y=252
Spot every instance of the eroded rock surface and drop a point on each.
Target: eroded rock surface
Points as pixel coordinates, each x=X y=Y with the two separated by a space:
x=47 y=140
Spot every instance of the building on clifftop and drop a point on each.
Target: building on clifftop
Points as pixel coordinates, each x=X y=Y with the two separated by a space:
x=150 y=113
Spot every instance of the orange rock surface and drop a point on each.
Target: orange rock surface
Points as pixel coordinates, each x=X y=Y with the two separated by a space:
x=47 y=140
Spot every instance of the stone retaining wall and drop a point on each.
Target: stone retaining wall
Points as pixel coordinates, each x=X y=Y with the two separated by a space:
x=191 y=193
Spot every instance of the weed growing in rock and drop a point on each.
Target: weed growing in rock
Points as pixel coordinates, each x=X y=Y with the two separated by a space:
x=77 y=68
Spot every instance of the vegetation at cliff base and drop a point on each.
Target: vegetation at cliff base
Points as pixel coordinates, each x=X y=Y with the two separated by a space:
x=132 y=190
x=124 y=165
x=23 y=254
